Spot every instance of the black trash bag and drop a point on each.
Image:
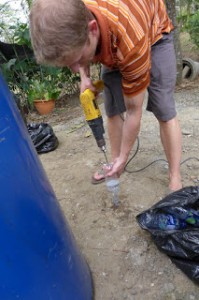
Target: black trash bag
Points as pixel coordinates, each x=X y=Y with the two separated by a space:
x=43 y=137
x=182 y=243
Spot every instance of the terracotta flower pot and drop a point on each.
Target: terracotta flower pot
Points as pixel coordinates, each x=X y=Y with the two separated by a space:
x=44 y=107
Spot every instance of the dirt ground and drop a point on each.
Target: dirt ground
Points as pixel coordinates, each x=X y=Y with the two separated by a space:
x=123 y=259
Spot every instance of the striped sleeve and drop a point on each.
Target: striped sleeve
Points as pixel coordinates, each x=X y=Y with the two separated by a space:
x=135 y=46
x=135 y=69
x=134 y=26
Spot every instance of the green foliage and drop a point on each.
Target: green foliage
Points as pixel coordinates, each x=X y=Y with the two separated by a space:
x=42 y=90
x=22 y=35
x=185 y=9
x=193 y=28
x=26 y=4
x=17 y=75
x=11 y=18
x=24 y=76
x=182 y=19
x=29 y=80
x=46 y=85
x=188 y=18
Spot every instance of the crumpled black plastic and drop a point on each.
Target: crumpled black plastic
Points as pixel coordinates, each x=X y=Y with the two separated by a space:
x=43 y=137
x=181 y=245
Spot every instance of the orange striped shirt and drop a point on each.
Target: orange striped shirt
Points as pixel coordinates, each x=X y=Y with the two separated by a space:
x=128 y=29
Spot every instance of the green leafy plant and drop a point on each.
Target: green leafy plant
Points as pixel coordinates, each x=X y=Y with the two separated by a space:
x=28 y=80
x=193 y=27
x=43 y=89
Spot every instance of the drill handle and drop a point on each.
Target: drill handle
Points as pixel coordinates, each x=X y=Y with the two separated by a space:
x=89 y=102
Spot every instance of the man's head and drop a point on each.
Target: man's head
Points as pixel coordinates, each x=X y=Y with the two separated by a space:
x=63 y=32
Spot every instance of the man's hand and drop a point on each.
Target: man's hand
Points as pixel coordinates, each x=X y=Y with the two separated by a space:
x=86 y=82
x=117 y=167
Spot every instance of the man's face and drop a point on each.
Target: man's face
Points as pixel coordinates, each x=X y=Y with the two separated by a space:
x=83 y=56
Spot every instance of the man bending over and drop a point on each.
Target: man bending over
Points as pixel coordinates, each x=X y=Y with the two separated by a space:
x=133 y=40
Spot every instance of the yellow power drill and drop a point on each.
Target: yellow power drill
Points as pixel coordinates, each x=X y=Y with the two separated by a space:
x=93 y=115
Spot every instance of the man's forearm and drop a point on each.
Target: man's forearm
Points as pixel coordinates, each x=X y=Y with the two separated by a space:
x=84 y=72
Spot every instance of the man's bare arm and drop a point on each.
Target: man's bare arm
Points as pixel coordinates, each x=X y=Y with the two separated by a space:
x=130 y=131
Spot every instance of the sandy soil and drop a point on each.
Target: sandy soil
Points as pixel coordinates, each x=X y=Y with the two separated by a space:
x=124 y=261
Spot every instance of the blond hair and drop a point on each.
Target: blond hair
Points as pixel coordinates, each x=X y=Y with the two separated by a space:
x=57 y=28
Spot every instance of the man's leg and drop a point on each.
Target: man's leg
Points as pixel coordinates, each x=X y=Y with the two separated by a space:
x=162 y=104
x=172 y=142
x=114 y=107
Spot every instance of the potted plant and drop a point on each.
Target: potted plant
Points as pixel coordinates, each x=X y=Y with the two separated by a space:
x=42 y=94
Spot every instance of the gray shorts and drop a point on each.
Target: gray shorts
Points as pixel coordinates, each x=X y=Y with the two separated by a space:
x=162 y=83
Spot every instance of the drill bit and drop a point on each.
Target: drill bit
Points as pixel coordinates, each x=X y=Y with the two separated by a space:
x=103 y=148
x=106 y=159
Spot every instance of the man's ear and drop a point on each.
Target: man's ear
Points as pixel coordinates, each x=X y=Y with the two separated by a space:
x=93 y=27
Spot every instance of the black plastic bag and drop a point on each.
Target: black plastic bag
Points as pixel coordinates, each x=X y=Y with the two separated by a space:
x=180 y=244
x=43 y=137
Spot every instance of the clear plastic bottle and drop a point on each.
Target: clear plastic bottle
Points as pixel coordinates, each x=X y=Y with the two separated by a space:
x=112 y=183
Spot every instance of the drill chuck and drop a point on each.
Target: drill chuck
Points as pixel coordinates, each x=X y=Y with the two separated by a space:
x=97 y=128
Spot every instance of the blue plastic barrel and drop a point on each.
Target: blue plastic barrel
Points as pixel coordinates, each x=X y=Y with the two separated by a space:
x=39 y=258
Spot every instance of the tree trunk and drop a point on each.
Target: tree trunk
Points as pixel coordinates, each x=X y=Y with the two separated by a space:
x=171 y=9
